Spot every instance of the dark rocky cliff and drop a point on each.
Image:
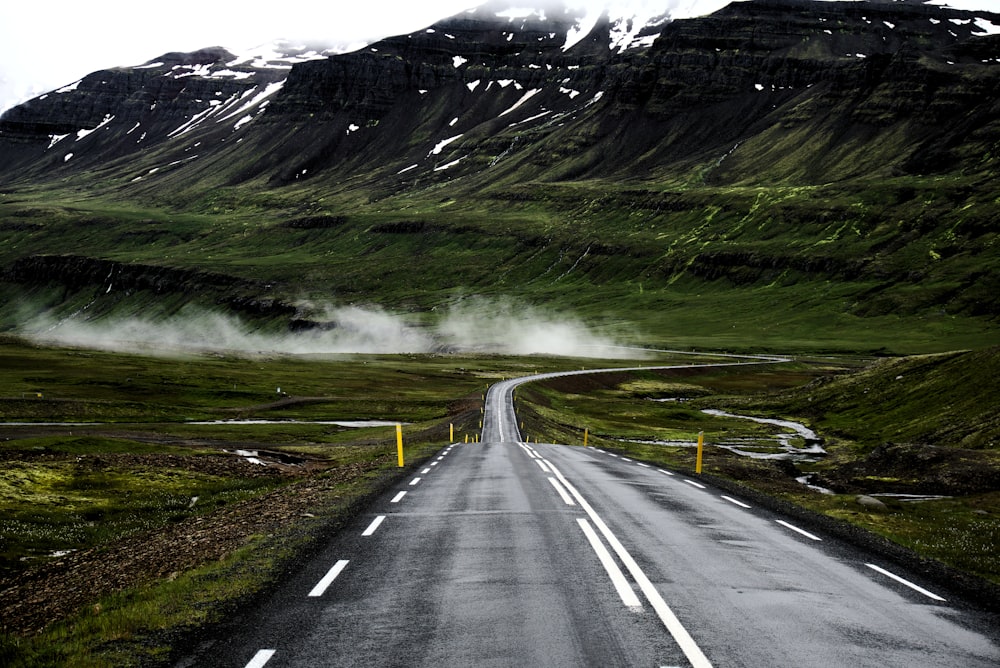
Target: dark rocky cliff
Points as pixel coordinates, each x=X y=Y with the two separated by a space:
x=766 y=69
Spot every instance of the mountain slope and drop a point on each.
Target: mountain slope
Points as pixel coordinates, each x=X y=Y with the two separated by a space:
x=836 y=159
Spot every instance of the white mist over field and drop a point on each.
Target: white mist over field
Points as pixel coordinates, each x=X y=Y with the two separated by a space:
x=517 y=329
x=477 y=325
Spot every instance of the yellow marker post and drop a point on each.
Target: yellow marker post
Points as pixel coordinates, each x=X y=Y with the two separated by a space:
x=466 y=438
x=451 y=433
x=399 y=444
x=701 y=448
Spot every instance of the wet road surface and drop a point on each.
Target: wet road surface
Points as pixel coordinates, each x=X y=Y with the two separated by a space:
x=504 y=553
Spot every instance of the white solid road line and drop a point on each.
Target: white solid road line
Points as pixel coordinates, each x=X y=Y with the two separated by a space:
x=666 y=615
x=562 y=492
x=795 y=528
x=328 y=579
x=260 y=658
x=374 y=525
x=622 y=586
x=735 y=502
x=398 y=497
x=542 y=465
x=906 y=582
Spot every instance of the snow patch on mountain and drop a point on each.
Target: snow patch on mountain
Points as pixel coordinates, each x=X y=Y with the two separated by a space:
x=441 y=144
x=986 y=27
x=283 y=54
x=84 y=132
x=634 y=23
x=70 y=88
x=527 y=96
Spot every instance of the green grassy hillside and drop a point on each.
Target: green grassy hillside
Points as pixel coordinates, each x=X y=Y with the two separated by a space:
x=904 y=265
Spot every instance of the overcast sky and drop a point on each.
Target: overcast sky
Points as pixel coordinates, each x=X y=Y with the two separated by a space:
x=45 y=44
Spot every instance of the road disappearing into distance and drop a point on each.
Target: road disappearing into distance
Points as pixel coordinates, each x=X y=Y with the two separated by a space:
x=505 y=553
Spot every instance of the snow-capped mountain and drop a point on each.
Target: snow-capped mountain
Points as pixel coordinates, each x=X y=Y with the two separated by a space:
x=495 y=75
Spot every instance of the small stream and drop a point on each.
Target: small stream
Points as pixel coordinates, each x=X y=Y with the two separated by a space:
x=798 y=444
x=802 y=444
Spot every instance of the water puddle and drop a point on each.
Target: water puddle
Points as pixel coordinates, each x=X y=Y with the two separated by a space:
x=911 y=498
x=251 y=456
x=352 y=424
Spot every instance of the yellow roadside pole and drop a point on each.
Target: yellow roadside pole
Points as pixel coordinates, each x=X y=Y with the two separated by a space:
x=399 y=444
x=701 y=448
x=466 y=438
x=451 y=433
x=586 y=433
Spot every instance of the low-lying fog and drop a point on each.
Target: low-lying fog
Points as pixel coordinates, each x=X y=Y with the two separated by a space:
x=491 y=326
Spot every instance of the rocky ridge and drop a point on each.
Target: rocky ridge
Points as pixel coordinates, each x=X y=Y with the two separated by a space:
x=661 y=95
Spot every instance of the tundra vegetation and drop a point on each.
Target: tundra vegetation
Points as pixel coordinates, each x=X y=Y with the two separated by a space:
x=137 y=469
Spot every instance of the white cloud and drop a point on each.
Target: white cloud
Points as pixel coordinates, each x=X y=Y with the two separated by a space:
x=45 y=45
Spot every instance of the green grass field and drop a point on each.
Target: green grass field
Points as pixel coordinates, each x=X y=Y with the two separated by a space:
x=134 y=465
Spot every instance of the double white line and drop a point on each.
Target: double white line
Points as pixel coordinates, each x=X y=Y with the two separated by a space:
x=628 y=596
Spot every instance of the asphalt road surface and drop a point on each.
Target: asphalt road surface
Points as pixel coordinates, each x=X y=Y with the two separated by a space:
x=504 y=553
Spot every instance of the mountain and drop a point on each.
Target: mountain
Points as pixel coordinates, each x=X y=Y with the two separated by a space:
x=813 y=168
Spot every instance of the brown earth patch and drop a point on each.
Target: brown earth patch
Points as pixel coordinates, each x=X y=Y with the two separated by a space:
x=49 y=592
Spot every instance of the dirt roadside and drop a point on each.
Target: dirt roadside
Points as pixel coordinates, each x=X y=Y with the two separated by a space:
x=51 y=591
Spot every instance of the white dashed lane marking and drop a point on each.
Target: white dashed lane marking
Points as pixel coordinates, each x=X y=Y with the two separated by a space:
x=798 y=530
x=374 y=525
x=328 y=579
x=914 y=587
x=260 y=658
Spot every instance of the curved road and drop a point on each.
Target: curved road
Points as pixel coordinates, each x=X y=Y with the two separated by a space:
x=508 y=554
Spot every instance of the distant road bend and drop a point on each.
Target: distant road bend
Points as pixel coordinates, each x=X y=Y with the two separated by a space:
x=508 y=554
